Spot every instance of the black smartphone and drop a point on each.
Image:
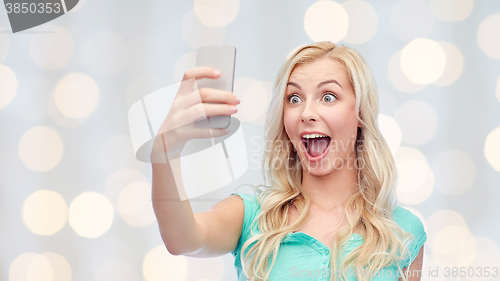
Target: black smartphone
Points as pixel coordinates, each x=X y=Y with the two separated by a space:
x=223 y=59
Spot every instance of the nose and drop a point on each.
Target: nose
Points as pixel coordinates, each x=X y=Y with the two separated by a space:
x=310 y=112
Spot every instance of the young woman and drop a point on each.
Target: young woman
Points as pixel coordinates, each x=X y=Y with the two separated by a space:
x=328 y=211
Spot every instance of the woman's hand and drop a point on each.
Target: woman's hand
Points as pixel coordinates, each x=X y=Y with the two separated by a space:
x=188 y=107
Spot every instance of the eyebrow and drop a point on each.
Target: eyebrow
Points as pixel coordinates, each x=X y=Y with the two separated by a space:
x=319 y=85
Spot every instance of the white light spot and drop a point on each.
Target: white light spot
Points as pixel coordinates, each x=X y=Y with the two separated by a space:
x=254 y=99
x=411 y=19
x=326 y=21
x=488 y=36
x=198 y=34
x=451 y=10
x=61 y=267
x=363 y=21
x=417 y=121
x=45 y=212
x=186 y=62
x=76 y=95
x=8 y=85
x=117 y=153
x=134 y=204
x=399 y=79
x=159 y=265
x=31 y=267
x=4 y=44
x=454 y=64
x=438 y=221
x=105 y=53
x=90 y=214
x=52 y=48
x=449 y=239
x=390 y=131
x=455 y=172
x=416 y=180
x=40 y=149
x=492 y=149
x=216 y=12
x=118 y=181
x=423 y=61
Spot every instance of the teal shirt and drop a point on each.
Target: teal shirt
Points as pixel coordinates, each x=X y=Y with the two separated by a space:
x=303 y=257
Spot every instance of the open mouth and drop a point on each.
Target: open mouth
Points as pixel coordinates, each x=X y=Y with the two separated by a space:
x=316 y=147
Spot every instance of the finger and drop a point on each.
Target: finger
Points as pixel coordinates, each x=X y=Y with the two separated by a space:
x=203 y=110
x=218 y=96
x=201 y=72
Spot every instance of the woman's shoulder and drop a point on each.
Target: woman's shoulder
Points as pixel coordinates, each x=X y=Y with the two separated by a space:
x=408 y=221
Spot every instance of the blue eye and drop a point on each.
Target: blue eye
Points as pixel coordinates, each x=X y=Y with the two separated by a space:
x=330 y=98
x=290 y=97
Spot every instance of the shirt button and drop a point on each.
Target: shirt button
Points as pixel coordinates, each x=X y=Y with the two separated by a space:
x=352 y=238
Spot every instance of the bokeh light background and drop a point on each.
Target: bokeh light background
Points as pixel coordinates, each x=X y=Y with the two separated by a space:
x=75 y=203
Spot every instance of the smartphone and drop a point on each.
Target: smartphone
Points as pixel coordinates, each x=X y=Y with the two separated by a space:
x=222 y=58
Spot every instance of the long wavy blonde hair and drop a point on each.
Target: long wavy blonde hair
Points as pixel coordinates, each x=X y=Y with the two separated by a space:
x=374 y=202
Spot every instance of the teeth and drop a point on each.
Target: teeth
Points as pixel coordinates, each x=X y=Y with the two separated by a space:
x=312 y=136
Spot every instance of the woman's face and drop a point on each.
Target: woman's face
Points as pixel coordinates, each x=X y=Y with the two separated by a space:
x=320 y=99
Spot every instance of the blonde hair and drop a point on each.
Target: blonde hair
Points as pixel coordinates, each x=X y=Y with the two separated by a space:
x=373 y=203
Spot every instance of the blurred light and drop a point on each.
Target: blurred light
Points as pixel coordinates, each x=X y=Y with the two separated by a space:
x=398 y=78
x=326 y=21
x=45 y=212
x=363 y=21
x=492 y=149
x=449 y=239
x=390 y=131
x=423 y=61
x=51 y=47
x=117 y=153
x=198 y=34
x=411 y=19
x=61 y=267
x=454 y=64
x=415 y=180
x=90 y=214
x=451 y=10
x=254 y=99
x=488 y=36
x=8 y=82
x=216 y=12
x=440 y=219
x=76 y=95
x=160 y=265
x=4 y=45
x=134 y=204
x=40 y=149
x=455 y=172
x=183 y=64
x=149 y=52
x=417 y=121
x=117 y=181
x=105 y=53
x=31 y=267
